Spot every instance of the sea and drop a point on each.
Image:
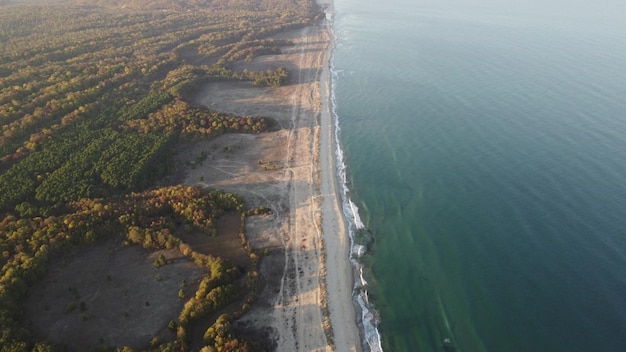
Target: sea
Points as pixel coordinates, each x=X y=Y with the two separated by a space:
x=482 y=159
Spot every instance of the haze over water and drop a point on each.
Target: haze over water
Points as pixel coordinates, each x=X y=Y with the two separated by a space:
x=485 y=144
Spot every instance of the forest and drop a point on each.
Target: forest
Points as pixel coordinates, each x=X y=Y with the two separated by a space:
x=93 y=100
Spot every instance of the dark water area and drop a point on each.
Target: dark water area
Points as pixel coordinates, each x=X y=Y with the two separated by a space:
x=485 y=145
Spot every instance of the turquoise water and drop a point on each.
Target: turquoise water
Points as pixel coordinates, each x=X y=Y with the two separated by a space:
x=485 y=145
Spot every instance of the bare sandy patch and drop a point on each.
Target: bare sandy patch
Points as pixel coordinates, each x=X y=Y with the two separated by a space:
x=110 y=295
x=227 y=243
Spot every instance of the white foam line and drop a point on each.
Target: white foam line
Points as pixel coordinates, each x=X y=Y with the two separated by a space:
x=369 y=322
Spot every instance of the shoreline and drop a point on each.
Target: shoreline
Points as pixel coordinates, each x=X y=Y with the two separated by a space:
x=340 y=282
x=366 y=319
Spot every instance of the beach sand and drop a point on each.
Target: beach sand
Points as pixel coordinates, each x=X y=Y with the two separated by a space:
x=307 y=303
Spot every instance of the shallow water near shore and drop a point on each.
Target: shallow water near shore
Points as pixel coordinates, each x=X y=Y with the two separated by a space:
x=484 y=144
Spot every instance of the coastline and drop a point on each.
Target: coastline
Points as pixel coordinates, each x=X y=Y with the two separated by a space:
x=307 y=304
x=340 y=280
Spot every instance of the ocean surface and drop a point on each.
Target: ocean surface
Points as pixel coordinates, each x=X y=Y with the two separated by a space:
x=484 y=145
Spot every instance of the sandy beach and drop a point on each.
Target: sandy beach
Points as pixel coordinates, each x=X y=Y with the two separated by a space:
x=307 y=303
